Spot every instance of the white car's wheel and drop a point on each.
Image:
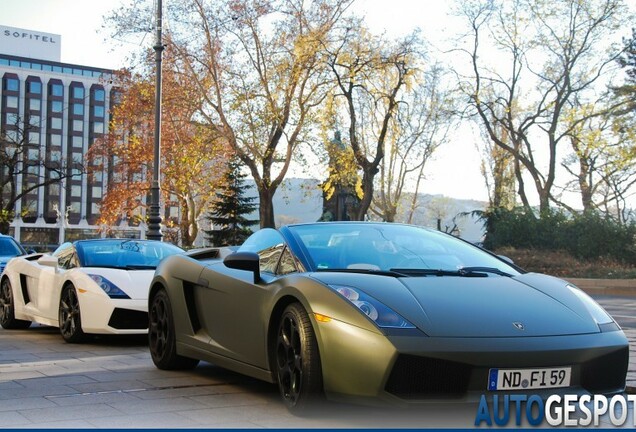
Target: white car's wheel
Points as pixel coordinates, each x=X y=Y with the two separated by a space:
x=70 y=317
x=7 y=308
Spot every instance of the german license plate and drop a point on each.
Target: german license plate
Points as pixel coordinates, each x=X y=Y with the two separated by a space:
x=521 y=379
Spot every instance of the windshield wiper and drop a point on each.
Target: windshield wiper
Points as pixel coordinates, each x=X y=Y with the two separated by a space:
x=462 y=272
x=469 y=270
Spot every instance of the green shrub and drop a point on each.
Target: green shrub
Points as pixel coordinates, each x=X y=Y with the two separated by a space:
x=586 y=236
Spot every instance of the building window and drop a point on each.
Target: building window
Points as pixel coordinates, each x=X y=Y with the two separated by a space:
x=55 y=140
x=78 y=125
x=12 y=136
x=100 y=95
x=56 y=123
x=94 y=208
x=96 y=192
x=98 y=111
x=56 y=106
x=98 y=127
x=34 y=154
x=12 y=84
x=12 y=101
x=57 y=90
x=34 y=138
x=12 y=119
x=35 y=104
x=35 y=121
x=78 y=109
x=35 y=87
x=78 y=141
x=54 y=189
x=76 y=191
x=78 y=92
x=55 y=155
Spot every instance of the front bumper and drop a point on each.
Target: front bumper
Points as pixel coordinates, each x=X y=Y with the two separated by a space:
x=102 y=315
x=366 y=366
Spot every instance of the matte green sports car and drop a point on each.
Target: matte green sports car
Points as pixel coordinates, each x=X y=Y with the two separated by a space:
x=379 y=311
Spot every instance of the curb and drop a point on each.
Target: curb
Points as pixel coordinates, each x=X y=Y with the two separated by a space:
x=617 y=287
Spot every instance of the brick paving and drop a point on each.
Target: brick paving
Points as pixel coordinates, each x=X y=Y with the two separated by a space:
x=111 y=383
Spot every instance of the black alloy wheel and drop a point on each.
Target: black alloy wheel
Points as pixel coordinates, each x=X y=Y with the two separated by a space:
x=297 y=360
x=161 y=335
x=7 y=308
x=70 y=318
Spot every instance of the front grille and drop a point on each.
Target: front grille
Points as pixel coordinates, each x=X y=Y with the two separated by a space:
x=605 y=373
x=127 y=319
x=414 y=377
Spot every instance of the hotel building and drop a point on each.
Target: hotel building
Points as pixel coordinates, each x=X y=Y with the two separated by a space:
x=60 y=109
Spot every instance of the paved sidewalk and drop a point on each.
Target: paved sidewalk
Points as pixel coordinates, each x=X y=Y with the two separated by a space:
x=112 y=383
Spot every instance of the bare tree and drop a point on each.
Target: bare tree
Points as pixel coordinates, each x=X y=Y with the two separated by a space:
x=371 y=75
x=258 y=71
x=550 y=58
x=420 y=126
x=23 y=164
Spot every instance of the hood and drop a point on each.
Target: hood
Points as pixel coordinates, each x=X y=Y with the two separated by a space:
x=135 y=283
x=452 y=306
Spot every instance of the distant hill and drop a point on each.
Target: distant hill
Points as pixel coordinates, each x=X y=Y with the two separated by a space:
x=300 y=200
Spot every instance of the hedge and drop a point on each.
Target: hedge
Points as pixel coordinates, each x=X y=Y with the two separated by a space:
x=586 y=235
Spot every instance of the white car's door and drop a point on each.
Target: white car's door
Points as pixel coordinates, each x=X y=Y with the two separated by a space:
x=52 y=274
x=49 y=289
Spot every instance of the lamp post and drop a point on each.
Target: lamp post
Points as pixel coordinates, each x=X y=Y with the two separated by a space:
x=154 y=216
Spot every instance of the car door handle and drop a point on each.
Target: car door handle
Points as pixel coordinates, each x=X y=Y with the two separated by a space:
x=203 y=282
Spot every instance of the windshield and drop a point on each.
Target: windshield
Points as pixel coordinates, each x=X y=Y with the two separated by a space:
x=390 y=247
x=9 y=248
x=125 y=254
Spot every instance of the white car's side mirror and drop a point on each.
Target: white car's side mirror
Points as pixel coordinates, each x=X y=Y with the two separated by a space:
x=48 y=260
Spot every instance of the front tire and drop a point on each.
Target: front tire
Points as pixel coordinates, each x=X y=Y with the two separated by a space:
x=161 y=335
x=70 y=317
x=298 y=368
x=7 y=308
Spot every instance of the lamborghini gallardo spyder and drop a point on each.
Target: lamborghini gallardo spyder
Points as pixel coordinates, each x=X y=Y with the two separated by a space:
x=85 y=287
x=381 y=312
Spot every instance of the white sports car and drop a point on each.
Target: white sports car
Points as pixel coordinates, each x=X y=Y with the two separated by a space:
x=86 y=287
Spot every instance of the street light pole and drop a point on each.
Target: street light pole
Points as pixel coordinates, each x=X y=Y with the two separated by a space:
x=154 y=216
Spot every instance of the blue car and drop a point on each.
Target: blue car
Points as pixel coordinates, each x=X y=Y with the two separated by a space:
x=9 y=248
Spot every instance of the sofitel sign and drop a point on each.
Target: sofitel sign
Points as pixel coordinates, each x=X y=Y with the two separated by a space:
x=30 y=44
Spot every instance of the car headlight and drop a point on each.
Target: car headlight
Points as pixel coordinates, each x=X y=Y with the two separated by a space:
x=383 y=316
x=598 y=313
x=108 y=287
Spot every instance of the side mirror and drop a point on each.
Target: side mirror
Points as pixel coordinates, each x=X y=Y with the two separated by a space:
x=48 y=260
x=248 y=261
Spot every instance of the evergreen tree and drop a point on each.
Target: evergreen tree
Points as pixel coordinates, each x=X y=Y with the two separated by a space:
x=229 y=210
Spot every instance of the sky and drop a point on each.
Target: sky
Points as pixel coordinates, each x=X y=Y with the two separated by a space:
x=454 y=171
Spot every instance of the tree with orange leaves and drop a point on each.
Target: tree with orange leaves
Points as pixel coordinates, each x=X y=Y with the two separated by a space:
x=192 y=161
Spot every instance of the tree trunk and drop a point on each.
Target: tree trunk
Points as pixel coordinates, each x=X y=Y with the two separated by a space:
x=4 y=226
x=266 y=207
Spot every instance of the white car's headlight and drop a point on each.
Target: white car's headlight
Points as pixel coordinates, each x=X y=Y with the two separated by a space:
x=112 y=290
x=383 y=316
